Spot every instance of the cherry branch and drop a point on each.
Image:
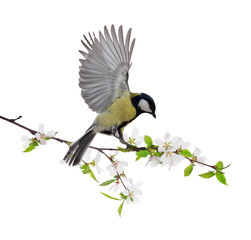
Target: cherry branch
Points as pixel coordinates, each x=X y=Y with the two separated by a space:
x=33 y=132
x=110 y=159
x=129 y=148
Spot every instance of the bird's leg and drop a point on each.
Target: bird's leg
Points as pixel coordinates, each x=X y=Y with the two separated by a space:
x=128 y=146
x=118 y=134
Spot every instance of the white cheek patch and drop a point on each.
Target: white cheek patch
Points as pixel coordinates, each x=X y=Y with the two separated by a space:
x=144 y=106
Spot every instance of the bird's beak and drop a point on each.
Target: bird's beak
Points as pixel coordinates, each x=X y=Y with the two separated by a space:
x=154 y=115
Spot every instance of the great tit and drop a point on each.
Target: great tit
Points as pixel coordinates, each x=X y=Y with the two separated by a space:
x=104 y=87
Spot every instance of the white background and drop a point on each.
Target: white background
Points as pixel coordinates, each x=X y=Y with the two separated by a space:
x=192 y=57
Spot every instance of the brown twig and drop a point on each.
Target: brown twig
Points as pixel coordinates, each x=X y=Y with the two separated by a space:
x=101 y=150
x=202 y=163
x=33 y=132
x=13 y=121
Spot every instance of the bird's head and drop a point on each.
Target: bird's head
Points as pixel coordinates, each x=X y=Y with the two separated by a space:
x=145 y=104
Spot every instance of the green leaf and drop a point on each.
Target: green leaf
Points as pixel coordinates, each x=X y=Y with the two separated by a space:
x=86 y=169
x=123 y=149
x=219 y=165
x=143 y=153
x=227 y=166
x=123 y=196
x=110 y=196
x=207 y=175
x=188 y=170
x=158 y=154
x=221 y=178
x=186 y=153
x=107 y=182
x=148 y=141
x=83 y=166
x=28 y=149
x=33 y=144
x=93 y=176
x=138 y=157
x=120 y=208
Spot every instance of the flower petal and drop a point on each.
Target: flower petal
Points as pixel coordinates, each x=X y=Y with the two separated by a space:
x=185 y=145
x=25 y=138
x=162 y=149
x=171 y=149
x=138 y=184
x=87 y=155
x=41 y=128
x=50 y=134
x=180 y=142
x=97 y=158
x=99 y=170
x=123 y=163
x=167 y=137
x=37 y=136
x=126 y=192
x=115 y=187
x=139 y=140
x=175 y=140
x=42 y=141
x=119 y=169
x=164 y=159
x=136 y=199
x=125 y=137
x=159 y=142
x=135 y=132
x=26 y=144
x=201 y=159
x=110 y=167
x=197 y=152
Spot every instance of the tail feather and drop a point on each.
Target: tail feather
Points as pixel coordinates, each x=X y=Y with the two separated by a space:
x=77 y=149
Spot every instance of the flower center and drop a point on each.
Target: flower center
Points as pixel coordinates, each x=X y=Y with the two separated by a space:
x=115 y=164
x=169 y=154
x=166 y=145
x=131 y=140
x=130 y=194
x=43 y=136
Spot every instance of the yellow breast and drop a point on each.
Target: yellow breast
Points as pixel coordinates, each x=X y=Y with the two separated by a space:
x=120 y=111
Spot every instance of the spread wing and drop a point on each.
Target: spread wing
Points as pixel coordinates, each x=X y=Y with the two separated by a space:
x=104 y=71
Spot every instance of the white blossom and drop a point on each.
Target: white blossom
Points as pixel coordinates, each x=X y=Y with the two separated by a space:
x=133 y=192
x=26 y=140
x=199 y=158
x=95 y=162
x=196 y=152
x=41 y=136
x=116 y=167
x=115 y=186
x=116 y=153
x=171 y=159
x=168 y=147
x=135 y=139
x=154 y=161
x=173 y=144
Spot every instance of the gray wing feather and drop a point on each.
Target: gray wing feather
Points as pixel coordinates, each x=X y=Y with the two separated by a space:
x=103 y=72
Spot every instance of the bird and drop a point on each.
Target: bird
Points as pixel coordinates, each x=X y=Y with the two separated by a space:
x=103 y=79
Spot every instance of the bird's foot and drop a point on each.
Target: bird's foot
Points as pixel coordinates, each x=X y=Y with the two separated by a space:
x=129 y=146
